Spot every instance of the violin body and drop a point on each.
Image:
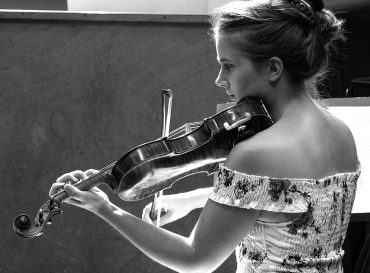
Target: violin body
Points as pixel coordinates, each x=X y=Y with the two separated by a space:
x=156 y=165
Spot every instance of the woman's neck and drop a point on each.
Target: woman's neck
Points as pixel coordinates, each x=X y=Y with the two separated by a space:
x=285 y=102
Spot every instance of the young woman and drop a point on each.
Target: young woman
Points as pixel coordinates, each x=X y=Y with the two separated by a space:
x=283 y=197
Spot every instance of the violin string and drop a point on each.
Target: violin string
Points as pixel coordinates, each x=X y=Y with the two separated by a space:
x=101 y=171
x=183 y=129
x=177 y=129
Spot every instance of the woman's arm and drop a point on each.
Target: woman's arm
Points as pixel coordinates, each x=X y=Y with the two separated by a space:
x=198 y=198
x=177 y=206
x=219 y=230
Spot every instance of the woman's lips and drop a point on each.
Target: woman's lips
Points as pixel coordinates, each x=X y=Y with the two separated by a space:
x=232 y=97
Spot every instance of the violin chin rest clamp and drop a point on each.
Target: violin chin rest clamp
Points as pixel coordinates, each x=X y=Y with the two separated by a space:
x=238 y=123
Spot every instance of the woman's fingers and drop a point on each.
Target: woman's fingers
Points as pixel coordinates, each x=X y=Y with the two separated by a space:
x=73 y=177
x=90 y=199
x=91 y=172
x=73 y=192
x=68 y=178
x=56 y=187
x=164 y=218
x=146 y=215
x=95 y=189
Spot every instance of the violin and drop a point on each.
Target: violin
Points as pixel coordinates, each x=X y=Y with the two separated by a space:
x=156 y=165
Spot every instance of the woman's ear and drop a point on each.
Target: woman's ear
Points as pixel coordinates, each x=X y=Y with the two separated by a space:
x=275 y=70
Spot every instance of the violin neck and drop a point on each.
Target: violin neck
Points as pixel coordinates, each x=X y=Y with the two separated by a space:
x=88 y=183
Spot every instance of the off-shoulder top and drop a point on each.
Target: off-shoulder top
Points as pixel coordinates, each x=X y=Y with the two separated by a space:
x=312 y=242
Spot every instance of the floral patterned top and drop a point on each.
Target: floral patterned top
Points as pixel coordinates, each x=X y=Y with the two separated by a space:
x=312 y=242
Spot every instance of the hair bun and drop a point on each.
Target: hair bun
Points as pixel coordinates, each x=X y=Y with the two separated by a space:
x=317 y=5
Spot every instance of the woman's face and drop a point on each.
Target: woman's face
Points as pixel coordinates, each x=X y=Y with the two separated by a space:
x=238 y=74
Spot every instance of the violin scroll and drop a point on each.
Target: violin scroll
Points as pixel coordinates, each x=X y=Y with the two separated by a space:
x=22 y=224
x=24 y=227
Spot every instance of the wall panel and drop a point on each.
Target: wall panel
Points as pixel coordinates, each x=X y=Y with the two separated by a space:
x=77 y=94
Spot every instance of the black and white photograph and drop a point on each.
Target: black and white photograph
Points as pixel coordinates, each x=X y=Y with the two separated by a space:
x=192 y=136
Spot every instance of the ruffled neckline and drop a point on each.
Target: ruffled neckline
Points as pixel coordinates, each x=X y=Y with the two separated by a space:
x=312 y=180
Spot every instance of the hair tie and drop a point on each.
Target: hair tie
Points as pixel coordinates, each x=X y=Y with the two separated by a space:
x=305 y=7
x=317 y=5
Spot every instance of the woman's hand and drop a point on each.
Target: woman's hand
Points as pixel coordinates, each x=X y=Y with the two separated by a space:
x=174 y=207
x=91 y=200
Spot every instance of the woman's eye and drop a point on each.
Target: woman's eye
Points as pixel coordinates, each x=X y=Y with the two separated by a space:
x=228 y=66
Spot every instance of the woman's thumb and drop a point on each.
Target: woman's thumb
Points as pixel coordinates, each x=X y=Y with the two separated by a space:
x=72 y=191
x=146 y=215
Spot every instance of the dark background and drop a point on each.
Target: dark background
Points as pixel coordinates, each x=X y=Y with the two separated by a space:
x=77 y=94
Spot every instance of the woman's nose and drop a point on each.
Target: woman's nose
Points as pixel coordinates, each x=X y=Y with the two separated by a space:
x=220 y=82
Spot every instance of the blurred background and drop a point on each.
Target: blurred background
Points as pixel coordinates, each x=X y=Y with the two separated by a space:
x=80 y=86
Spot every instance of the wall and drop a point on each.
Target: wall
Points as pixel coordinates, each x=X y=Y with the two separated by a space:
x=77 y=94
x=34 y=4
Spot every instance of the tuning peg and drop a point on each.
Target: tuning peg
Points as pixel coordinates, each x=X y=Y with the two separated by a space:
x=41 y=216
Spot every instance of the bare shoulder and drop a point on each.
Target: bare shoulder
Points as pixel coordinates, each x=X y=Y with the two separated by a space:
x=315 y=147
x=258 y=155
x=342 y=143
